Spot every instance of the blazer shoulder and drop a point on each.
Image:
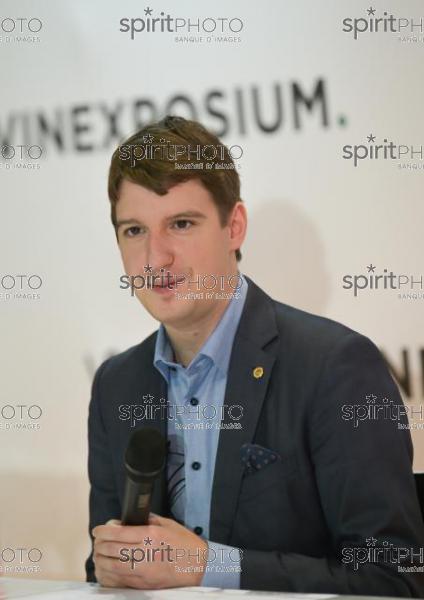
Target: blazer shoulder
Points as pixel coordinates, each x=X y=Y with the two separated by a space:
x=298 y=333
x=128 y=361
x=316 y=348
x=319 y=334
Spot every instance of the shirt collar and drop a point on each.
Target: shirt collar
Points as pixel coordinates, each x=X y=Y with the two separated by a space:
x=217 y=347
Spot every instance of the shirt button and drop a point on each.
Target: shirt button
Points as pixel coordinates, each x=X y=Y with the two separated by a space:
x=198 y=530
x=194 y=402
x=195 y=465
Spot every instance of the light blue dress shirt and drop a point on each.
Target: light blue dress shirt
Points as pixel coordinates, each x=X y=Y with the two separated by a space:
x=195 y=406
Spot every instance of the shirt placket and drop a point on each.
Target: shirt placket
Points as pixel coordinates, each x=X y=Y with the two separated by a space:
x=194 y=443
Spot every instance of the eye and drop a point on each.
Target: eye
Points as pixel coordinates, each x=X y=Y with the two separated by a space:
x=182 y=224
x=132 y=231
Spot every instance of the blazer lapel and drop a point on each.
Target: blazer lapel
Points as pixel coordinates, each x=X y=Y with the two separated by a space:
x=247 y=382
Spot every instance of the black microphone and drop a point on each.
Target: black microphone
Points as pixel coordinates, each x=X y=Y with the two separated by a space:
x=144 y=460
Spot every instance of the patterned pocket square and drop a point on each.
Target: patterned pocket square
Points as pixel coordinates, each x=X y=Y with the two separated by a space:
x=256 y=457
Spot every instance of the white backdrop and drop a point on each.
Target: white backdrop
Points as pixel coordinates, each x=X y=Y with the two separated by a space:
x=314 y=216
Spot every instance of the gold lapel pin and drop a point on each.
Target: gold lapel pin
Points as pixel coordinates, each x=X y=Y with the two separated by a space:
x=258 y=372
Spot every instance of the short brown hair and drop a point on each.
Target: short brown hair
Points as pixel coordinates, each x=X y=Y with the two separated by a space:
x=154 y=165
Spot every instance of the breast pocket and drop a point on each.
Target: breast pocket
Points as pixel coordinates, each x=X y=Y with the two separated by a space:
x=273 y=476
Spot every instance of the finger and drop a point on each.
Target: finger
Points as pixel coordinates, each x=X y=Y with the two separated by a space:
x=127 y=534
x=108 y=579
x=111 y=549
x=112 y=566
x=123 y=575
x=104 y=531
x=117 y=551
x=96 y=531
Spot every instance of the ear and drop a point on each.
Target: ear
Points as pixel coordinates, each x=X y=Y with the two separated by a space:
x=237 y=223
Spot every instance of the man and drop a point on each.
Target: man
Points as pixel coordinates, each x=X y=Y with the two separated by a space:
x=269 y=483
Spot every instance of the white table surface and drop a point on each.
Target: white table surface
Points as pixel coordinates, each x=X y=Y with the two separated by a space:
x=39 y=589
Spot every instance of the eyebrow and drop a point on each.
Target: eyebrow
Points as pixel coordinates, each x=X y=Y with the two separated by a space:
x=182 y=215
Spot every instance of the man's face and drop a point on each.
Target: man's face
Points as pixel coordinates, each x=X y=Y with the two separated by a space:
x=180 y=233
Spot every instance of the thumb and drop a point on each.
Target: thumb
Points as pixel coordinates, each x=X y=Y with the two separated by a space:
x=155 y=519
x=113 y=522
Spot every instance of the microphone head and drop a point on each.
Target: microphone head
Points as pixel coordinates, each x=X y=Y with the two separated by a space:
x=146 y=453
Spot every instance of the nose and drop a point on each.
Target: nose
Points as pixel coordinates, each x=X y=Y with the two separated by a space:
x=159 y=253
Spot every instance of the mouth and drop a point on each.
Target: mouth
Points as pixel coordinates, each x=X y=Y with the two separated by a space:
x=167 y=283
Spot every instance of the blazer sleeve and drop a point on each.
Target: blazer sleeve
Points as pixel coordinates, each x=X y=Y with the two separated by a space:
x=104 y=503
x=366 y=485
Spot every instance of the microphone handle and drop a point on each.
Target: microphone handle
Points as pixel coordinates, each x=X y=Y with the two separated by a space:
x=137 y=500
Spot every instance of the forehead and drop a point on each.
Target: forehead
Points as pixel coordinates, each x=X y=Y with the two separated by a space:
x=189 y=195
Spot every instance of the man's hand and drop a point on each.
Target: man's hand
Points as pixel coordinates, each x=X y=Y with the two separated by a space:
x=162 y=554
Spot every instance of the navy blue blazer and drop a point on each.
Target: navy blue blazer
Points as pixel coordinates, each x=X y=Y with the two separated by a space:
x=335 y=491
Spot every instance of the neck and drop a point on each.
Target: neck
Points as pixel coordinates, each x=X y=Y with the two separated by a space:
x=187 y=342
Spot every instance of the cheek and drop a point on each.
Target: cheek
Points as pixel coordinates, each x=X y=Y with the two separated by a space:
x=124 y=258
x=130 y=258
x=209 y=245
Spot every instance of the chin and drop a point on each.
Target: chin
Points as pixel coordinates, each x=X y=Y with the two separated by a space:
x=169 y=314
